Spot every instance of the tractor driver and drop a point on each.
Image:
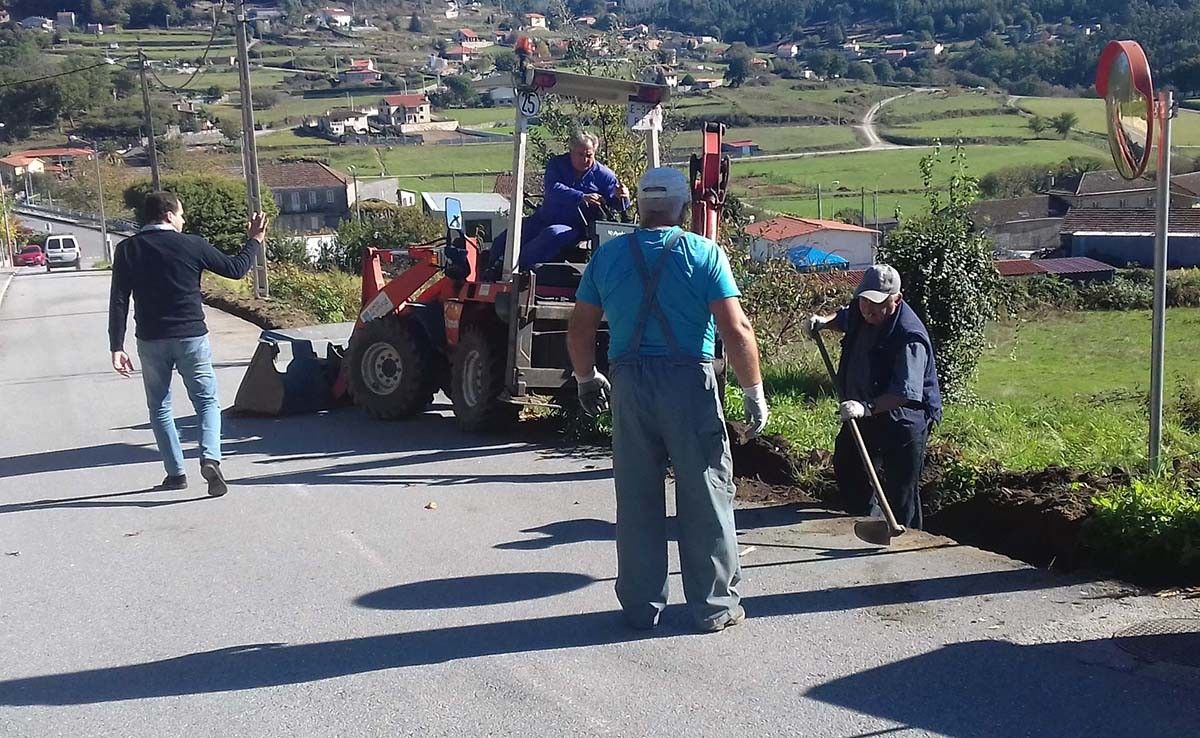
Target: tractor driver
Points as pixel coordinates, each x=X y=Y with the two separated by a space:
x=576 y=187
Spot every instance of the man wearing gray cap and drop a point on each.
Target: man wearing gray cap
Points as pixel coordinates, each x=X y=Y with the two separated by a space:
x=887 y=379
x=664 y=290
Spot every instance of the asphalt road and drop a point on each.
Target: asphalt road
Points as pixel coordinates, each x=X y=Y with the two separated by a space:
x=90 y=245
x=324 y=597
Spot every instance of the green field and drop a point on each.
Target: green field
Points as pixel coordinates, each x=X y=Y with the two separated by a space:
x=778 y=140
x=423 y=159
x=477 y=116
x=931 y=105
x=888 y=170
x=882 y=206
x=1186 y=130
x=1063 y=389
x=781 y=99
x=974 y=127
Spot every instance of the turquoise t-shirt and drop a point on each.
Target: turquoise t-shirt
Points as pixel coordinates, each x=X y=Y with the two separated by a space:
x=696 y=273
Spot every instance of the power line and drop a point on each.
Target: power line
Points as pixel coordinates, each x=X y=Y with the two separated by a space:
x=212 y=36
x=63 y=74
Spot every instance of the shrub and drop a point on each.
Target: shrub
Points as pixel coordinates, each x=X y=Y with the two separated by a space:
x=1151 y=528
x=1121 y=293
x=332 y=297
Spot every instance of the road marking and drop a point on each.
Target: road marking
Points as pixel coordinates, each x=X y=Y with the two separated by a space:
x=368 y=553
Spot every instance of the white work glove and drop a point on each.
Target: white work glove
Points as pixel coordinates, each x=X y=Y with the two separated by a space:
x=594 y=390
x=755 y=401
x=814 y=323
x=852 y=410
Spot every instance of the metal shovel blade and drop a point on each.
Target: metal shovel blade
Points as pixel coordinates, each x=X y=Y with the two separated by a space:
x=877 y=532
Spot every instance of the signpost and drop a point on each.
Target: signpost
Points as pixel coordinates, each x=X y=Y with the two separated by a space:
x=1133 y=110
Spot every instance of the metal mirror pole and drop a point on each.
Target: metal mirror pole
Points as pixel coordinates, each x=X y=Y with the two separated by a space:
x=1161 y=240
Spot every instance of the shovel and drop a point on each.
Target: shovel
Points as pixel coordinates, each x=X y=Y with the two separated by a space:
x=878 y=532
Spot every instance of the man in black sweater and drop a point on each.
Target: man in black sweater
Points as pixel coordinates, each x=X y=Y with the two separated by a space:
x=161 y=267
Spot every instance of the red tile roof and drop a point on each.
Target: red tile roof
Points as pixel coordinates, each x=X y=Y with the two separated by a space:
x=299 y=174
x=1071 y=265
x=414 y=100
x=62 y=151
x=1128 y=220
x=17 y=160
x=740 y=144
x=786 y=226
x=1018 y=267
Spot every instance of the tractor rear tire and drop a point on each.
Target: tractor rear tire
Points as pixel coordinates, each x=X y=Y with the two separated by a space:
x=391 y=368
x=477 y=381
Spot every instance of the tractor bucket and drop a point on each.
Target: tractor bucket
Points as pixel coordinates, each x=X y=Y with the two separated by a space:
x=306 y=383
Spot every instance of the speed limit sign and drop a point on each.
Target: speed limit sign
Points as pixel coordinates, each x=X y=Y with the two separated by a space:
x=529 y=103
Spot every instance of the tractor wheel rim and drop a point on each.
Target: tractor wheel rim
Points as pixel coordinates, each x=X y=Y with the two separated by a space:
x=382 y=370
x=474 y=373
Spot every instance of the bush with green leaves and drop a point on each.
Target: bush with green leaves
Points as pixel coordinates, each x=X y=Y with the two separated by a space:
x=385 y=228
x=1151 y=527
x=330 y=296
x=214 y=206
x=947 y=272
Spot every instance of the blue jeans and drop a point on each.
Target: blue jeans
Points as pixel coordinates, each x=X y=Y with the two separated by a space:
x=193 y=358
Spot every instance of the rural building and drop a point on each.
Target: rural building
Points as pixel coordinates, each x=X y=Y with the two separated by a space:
x=1075 y=269
x=361 y=72
x=535 y=20
x=1126 y=237
x=437 y=65
x=343 y=121
x=451 y=11
x=895 y=55
x=37 y=23
x=586 y=20
x=1108 y=189
x=787 y=51
x=497 y=87
x=709 y=83
x=774 y=238
x=65 y=20
x=399 y=110
x=466 y=36
x=744 y=147
x=62 y=156
x=16 y=165
x=1022 y=225
x=482 y=211
x=310 y=196
x=95 y=29
x=459 y=54
x=335 y=18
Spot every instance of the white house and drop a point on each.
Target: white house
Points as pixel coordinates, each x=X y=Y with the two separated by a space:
x=361 y=72
x=437 y=65
x=482 y=211
x=498 y=87
x=399 y=110
x=775 y=237
x=335 y=18
x=451 y=10
x=535 y=20
x=343 y=121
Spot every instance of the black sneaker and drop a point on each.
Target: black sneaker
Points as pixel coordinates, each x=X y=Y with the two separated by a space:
x=176 y=482
x=211 y=471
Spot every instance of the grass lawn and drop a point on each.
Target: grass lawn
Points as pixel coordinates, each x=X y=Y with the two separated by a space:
x=1066 y=389
x=934 y=104
x=780 y=98
x=477 y=116
x=885 y=170
x=779 y=139
x=806 y=206
x=423 y=160
x=1186 y=130
x=227 y=80
x=982 y=126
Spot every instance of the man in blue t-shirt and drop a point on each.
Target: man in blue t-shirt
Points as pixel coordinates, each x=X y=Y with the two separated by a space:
x=576 y=188
x=666 y=294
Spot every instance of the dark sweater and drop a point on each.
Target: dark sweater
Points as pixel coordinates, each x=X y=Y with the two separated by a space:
x=162 y=271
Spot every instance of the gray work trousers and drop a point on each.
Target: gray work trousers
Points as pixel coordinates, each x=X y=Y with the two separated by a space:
x=667 y=411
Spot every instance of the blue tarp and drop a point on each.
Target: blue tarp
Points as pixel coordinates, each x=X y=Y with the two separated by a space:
x=812 y=259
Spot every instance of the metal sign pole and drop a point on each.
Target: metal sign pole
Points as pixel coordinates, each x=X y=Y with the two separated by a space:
x=1161 y=242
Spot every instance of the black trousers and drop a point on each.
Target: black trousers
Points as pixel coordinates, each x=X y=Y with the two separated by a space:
x=897 y=449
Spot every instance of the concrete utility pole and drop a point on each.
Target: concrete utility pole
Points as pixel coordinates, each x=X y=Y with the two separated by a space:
x=152 y=145
x=9 y=244
x=100 y=196
x=249 y=146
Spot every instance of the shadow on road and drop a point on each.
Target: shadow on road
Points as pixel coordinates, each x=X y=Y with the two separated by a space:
x=474 y=591
x=984 y=689
x=253 y=666
x=106 y=500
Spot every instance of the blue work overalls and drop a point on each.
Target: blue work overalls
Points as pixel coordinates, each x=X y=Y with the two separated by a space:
x=666 y=409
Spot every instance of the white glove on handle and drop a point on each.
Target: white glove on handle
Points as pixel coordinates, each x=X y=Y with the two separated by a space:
x=814 y=323
x=852 y=410
x=755 y=401
x=594 y=391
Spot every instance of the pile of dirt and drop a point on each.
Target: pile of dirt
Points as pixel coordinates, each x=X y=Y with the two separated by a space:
x=268 y=314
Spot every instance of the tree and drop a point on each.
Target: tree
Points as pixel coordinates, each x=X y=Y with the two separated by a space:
x=947 y=273
x=216 y=206
x=884 y=71
x=393 y=227
x=861 y=71
x=214 y=92
x=458 y=94
x=231 y=127
x=1064 y=122
x=1037 y=124
x=741 y=64
x=505 y=61
x=125 y=82
x=688 y=80
x=415 y=25
x=853 y=216
x=263 y=99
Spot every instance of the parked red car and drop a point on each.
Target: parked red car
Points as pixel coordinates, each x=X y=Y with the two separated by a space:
x=31 y=256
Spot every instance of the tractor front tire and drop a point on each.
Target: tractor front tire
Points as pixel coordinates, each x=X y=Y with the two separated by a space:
x=391 y=368
x=477 y=381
